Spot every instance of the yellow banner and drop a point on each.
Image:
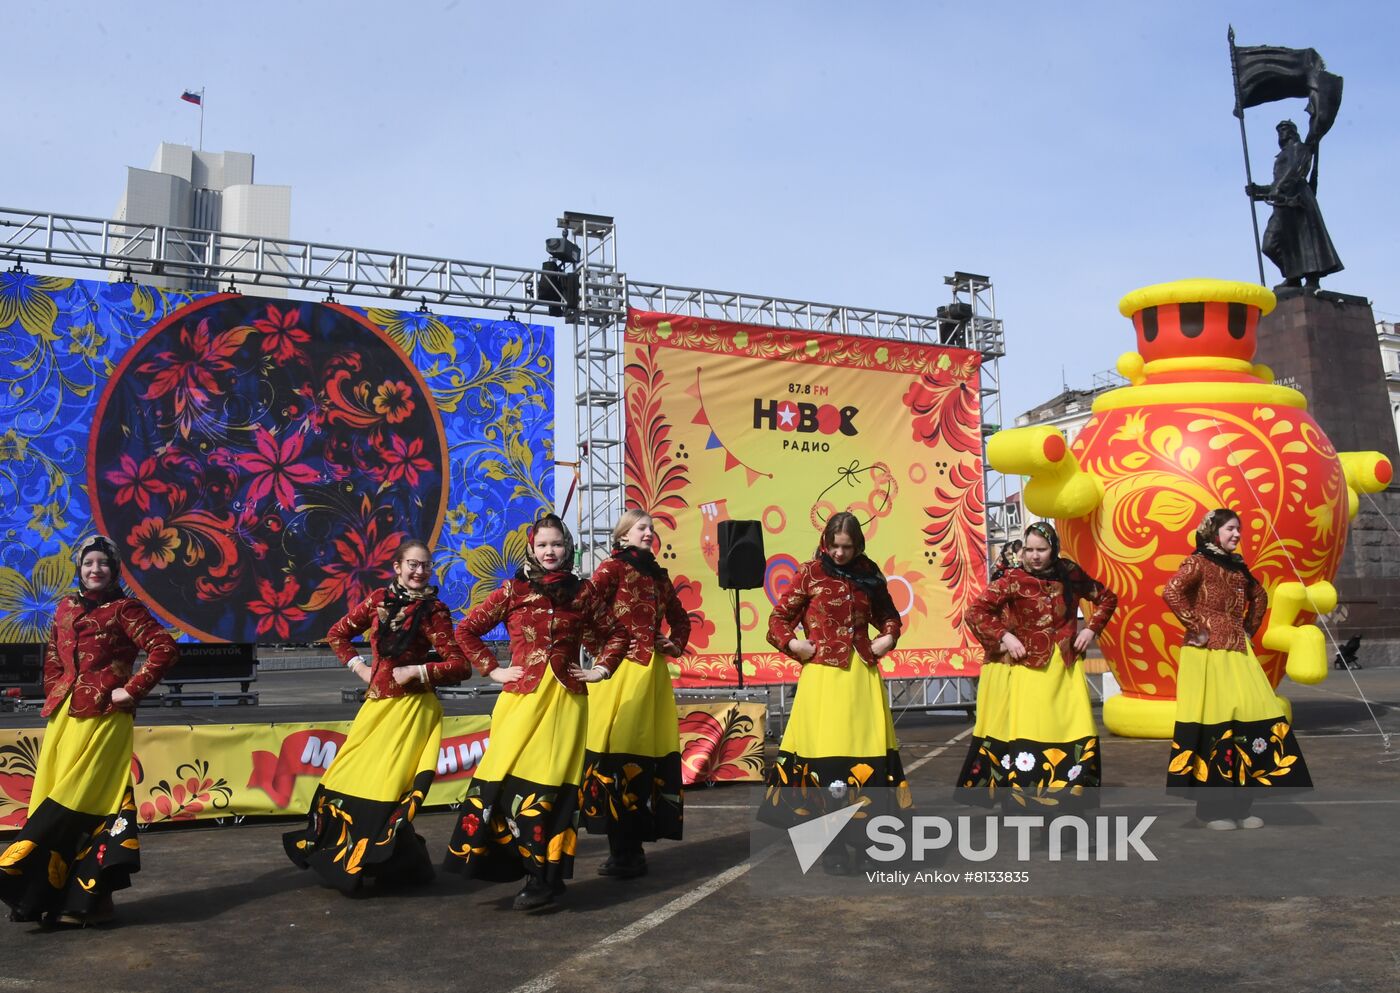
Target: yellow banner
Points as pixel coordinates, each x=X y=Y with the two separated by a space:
x=193 y=773
x=731 y=422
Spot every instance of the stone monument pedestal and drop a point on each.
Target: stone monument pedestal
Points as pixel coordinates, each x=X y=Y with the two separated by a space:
x=1325 y=345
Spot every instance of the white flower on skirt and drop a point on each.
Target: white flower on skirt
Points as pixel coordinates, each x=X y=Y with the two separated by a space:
x=1259 y=745
x=1006 y=761
x=119 y=825
x=514 y=827
x=1025 y=762
x=1074 y=772
x=837 y=789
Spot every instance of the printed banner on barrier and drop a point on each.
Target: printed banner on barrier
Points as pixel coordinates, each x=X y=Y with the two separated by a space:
x=193 y=773
x=731 y=422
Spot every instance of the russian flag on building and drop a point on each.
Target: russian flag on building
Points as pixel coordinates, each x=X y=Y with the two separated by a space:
x=191 y=97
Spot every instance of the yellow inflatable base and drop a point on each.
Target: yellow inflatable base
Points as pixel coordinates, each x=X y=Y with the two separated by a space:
x=1141 y=717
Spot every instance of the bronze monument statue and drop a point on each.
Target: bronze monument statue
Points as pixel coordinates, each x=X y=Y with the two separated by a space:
x=1296 y=238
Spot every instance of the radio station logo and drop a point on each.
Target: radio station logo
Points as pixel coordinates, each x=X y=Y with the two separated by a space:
x=802 y=417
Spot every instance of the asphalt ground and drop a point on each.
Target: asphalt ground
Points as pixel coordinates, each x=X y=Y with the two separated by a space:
x=220 y=908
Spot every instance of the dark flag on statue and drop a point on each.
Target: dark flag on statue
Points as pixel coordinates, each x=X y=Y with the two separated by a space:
x=1265 y=73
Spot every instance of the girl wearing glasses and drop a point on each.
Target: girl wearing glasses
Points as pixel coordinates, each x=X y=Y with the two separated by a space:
x=361 y=819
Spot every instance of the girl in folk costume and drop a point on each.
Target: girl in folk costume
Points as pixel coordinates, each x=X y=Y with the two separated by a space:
x=520 y=816
x=1009 y=558
x=1035 y=736
x=79 y=844
x=361 y=819
x=839 y=747
x=1231 y=730
x=632 y=768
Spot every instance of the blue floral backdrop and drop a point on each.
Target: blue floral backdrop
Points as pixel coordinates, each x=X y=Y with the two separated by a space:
x=259 y=460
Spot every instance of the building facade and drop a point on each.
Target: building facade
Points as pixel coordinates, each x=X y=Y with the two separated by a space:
x=201 y=191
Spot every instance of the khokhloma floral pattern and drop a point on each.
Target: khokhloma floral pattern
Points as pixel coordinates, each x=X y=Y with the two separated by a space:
x=258 y=460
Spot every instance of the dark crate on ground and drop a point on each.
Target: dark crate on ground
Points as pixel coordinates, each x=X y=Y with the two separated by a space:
x=206 y=665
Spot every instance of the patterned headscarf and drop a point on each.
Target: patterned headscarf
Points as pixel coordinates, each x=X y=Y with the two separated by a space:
x=559 y=584
x=401 y=611
x=1208 y=531
x=1207 y=538
x=533 y=568
x=105 y=545
x=1047 y=531
x=1058 y=569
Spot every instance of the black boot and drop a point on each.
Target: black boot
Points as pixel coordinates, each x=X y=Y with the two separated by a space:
x=632 y=865
x=535 y=893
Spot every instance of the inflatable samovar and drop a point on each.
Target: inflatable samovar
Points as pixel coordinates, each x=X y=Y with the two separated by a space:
x=1199 y=427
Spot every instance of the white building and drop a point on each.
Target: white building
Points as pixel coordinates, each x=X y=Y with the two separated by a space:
x=1389 y=335
x=1069 y=411
x=206 y=191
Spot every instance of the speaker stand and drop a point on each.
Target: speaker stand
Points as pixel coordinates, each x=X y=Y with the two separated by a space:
x=738 y=641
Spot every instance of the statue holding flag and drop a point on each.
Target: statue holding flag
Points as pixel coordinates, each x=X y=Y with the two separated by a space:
x=1296 y=238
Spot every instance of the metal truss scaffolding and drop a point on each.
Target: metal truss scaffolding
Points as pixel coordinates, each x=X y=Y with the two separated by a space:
x=595 y=304
x=243 y=261
x=599 y=323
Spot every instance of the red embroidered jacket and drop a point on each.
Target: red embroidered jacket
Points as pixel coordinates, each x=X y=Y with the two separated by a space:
x=434 y=631
x=542 y=636
x=91 y=651
x=836 y=615
x=1034 y=610
x=1215 y=604
x=638 y=604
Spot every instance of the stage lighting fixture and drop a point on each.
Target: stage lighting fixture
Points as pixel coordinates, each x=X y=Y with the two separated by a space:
x=557 y=288
x=563 y=250
x=952 y=324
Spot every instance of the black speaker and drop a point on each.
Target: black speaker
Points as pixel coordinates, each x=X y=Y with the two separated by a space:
x=741 y=558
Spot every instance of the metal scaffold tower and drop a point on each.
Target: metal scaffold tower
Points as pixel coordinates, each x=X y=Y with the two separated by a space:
x=599 y=322
x=971 y=321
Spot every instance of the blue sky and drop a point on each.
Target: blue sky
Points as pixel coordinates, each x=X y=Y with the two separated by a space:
x=845 y=153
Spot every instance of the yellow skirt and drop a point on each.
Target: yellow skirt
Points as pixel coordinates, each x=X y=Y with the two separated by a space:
x=361 y=819
x=839 y=749
x=1034 y=736
x=1213 y=687
x=84 y=762
x=632 y=767
x=1230 y=728
x=391 y=742
x=79 y=842
x=1016 y=702
x=520 y=815
x=634 y=711
x=840 y=713
x=538 y=737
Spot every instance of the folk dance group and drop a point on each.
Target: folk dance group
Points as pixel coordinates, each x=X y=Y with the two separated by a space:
x=1034 y=740
x=599 y=747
